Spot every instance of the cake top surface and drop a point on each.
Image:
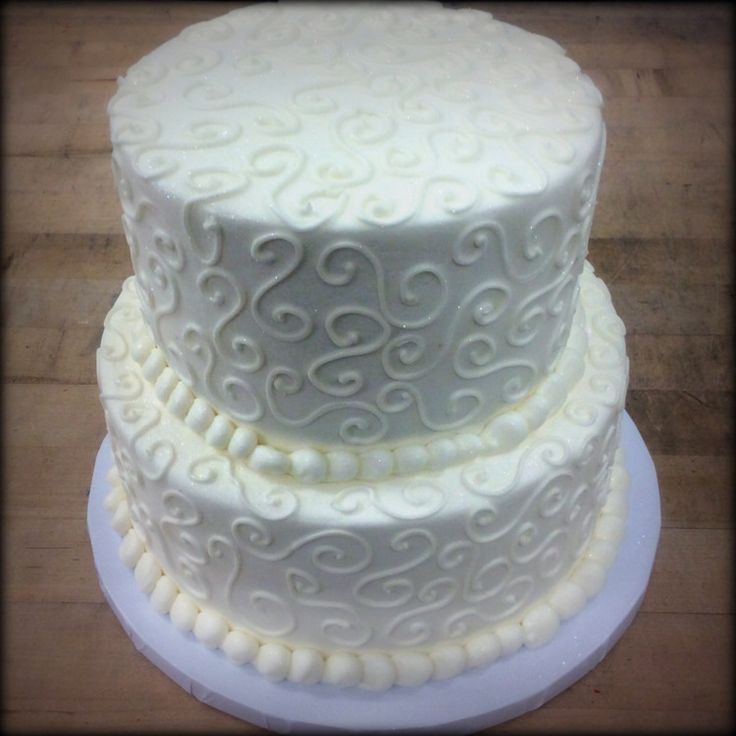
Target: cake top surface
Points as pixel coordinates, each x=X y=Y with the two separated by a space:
x=355 y=114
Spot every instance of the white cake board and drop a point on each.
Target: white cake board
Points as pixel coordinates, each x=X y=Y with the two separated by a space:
x=470 y=702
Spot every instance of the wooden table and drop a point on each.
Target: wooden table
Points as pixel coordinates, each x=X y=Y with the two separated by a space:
x=661 y=240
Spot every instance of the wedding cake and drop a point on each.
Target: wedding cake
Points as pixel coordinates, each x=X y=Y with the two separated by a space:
x=363 y=390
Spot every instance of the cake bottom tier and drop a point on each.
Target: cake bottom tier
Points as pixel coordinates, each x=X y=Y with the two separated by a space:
x=379 y=583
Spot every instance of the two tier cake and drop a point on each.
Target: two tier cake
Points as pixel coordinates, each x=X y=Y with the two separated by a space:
x=363 y=390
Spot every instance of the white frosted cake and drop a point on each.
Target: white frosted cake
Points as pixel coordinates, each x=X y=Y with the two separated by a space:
x=363 y=390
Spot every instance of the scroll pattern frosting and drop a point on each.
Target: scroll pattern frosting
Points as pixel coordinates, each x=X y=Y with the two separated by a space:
x=349 y=668
x=332 y=123
x=124 y=322
x=297 y=352
x=326 y=228
x=394 y=564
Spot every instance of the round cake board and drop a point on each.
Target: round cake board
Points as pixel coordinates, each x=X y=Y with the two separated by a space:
x=475 y=700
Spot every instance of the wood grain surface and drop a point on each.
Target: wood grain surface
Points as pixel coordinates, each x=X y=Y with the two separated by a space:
x=661 y=240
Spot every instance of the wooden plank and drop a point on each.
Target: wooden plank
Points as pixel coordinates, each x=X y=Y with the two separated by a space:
x=92 y=15
x=672 y=310
x=97 y=682
x=655 y=81
x=556 y=720
x=54 y=416
x=681 y=362
x=52 y=355
x=53 y=139
x=650 y=262
x=692 y=573
x=683 y=422
x=663 y=645
x=84 y=101
x=36 y=304
x=622 y=25
x=673 y=112
x=56 y=484
x=60 y=175
x=671 y=201
x=57 y=256
x=696 y=491
x=60 y=212
x=50 y=561
x=700 y=141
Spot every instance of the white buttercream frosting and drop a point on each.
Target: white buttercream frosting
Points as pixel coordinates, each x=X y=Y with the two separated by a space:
x=273 y=661
x=307 y=666
x=391 y=582
x=184 y=612
x=211 y=628
x=164 y=594
x=333 y=210
x=353 y=105
x=312 y=465
x=363 y=390
x=376 y=670
x=240 y=647
x=147 y=572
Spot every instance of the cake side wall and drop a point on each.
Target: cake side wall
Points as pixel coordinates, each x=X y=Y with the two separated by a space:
x=324 y=234
x=333 y=339
x=390 y=565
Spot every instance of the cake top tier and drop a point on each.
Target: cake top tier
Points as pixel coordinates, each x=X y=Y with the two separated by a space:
x=355 y=115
